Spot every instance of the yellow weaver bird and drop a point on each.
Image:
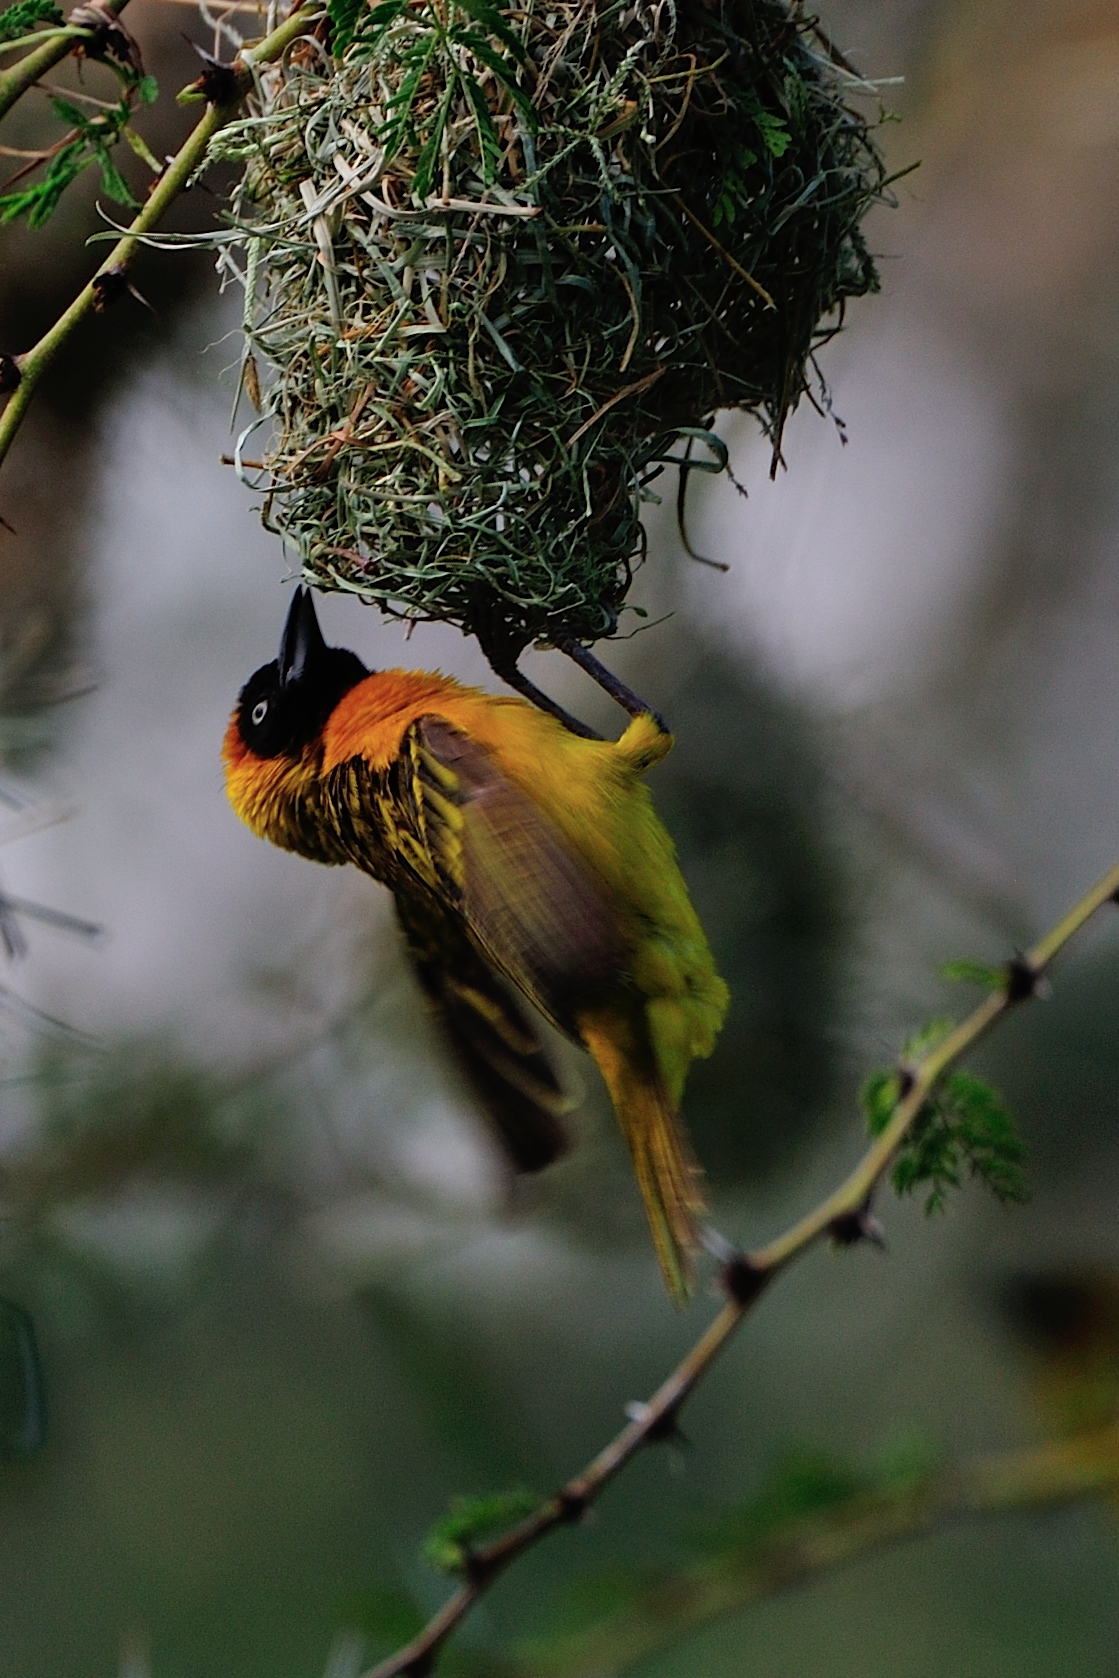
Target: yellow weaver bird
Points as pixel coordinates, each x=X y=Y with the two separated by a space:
x=524 y=859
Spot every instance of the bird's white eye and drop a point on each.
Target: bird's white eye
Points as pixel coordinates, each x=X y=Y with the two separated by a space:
x=260 y=711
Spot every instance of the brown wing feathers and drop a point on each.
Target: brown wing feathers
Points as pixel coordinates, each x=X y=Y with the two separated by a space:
x=491 y=1036
x=539 y=914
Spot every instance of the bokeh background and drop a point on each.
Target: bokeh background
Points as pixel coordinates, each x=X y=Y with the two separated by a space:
x=287 y=1301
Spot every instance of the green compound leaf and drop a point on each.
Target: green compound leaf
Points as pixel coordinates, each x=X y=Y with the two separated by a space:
x=488 y=142
x=774 y=132
x=344 y=16
x=964 y=1130
x=968 y=972
x=113 y=182
x=428 y=159
x=879 y=1096
x=23 y=17
x=734 y=190
x=39 y=202
x=447 y=1546
x=882 y=1090
x=91 y=142
x=363 y=25
x=485 y=14
x=485 y=54
x=395 y=130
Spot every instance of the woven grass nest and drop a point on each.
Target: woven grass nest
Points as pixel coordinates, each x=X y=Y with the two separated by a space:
x=503 y=262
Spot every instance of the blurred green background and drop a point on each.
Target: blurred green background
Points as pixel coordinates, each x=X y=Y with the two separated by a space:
x=288 y=1304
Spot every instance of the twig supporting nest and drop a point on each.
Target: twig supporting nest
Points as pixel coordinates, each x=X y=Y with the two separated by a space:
x=499 y=262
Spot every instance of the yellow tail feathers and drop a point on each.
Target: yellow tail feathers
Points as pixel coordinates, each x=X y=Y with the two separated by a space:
x=667 y=1175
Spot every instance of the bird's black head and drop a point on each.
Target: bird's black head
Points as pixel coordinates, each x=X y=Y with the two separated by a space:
x=284 y=704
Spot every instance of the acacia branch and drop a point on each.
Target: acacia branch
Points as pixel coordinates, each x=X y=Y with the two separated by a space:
x=843 y=1216
x=166 y=189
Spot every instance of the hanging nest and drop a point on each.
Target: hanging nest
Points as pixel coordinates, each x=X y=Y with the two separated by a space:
x=501 y=262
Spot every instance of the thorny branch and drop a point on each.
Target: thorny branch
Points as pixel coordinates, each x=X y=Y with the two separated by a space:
x=844 y=1216
x=109 y=279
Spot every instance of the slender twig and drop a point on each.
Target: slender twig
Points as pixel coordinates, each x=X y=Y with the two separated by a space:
x=843 y=1216
x=516 y=679
x=799 y=1550
x=166 y=189
x=606 y=679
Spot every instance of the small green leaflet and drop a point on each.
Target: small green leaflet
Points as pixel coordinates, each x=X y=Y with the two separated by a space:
x=343 y=15
x=967 y=972
x=485 y=14
x=398 y=125
x=734 y=189
x=22 y=18
x=774 y=132
x=429 y=156
x=485 y=54
x=469 y=1519
x=488 y=143
x=348 y=24
x=40 y=201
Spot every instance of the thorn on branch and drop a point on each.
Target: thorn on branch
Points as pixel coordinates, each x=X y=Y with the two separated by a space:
x=573 y=1504
x=110 y=38
x=110 y=286
x=219 y=84
x=475 y=1568
x=665 y=1430
x=420 y=1665
x=742 y=1280
x=1024 y=980
x=906 y=1078
x=852 y=1227
x=10 y=375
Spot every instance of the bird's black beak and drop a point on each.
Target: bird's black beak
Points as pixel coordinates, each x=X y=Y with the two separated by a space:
x=302 y=642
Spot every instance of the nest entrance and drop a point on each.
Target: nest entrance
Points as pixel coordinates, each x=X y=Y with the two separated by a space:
x=501 y=260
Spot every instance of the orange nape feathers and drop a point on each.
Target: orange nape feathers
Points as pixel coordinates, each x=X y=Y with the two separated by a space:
x=518 y=849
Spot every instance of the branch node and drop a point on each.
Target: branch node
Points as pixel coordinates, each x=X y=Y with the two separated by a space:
x=1024 y=980
x=109 y=287
x=743 y=1280
x=476 y=1568
x=660 y=1430
x=219 y=84
x=110 y=39
x=573 y=1503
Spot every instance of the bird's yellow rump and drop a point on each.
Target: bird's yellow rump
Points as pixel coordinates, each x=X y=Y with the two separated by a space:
x=520 y=855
